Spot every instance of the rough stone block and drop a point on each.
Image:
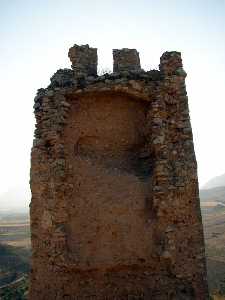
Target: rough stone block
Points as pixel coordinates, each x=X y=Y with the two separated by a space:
x=126 y=60
x=84 y=60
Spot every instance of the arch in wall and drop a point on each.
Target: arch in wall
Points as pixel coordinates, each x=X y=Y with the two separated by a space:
x=107 y=140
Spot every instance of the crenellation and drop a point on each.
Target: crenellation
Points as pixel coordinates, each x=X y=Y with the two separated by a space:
x=84 y=60
x=115 y=204
x=171 y=64
x=126 y=60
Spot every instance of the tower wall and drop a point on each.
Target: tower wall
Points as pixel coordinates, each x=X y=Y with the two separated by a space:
x=115 y=204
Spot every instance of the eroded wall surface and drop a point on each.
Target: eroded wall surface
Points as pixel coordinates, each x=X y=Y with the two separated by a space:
x=115 y=207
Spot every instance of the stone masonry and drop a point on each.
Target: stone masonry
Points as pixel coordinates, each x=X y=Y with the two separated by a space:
x=84 y=60
x=126 y=60
x=115 y=209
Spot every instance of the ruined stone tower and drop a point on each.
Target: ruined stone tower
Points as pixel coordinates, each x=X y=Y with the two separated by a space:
x=115 y=207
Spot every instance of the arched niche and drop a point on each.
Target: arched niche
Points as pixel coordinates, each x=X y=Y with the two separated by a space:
x=107 y=141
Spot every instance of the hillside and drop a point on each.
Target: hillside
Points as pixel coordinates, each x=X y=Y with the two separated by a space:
x=14 y=262
x=14 y=254
x=213 y=216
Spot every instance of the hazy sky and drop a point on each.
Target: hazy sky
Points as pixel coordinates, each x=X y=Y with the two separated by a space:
x=35 y=36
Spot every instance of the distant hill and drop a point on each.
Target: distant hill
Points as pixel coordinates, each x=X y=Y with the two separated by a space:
x=215 y=182
x=216 y=194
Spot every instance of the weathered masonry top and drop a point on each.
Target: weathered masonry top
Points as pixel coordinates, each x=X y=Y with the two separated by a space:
x=85 y=60
x=126 y=66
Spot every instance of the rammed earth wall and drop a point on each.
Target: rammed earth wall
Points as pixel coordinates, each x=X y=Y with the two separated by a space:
x=115 y=205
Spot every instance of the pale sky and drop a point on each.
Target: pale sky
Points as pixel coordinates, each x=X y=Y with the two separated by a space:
x=35 y=36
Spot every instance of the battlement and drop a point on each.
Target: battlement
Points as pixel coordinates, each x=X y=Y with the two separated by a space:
x=126 y=63
x=126 y=60
x=85 y=61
